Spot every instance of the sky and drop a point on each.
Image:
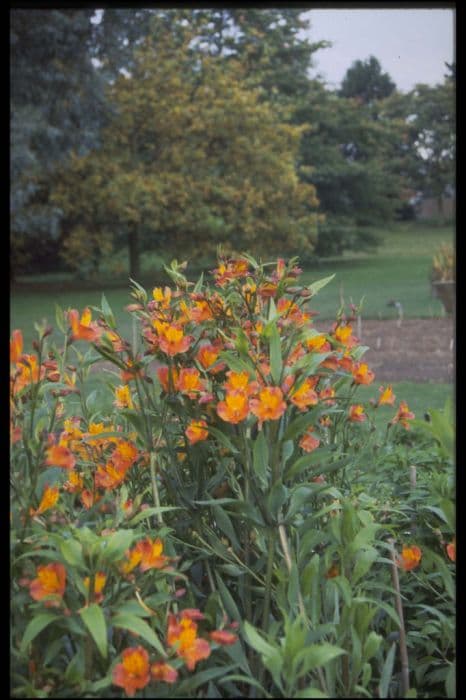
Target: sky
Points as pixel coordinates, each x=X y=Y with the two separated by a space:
x=411 y=45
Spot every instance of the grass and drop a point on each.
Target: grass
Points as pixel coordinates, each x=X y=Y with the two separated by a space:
x=398 y=270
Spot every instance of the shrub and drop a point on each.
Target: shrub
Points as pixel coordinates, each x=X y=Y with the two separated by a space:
x=219 y=515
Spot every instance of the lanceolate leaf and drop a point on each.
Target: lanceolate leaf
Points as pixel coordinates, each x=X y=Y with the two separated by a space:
x=94 y=619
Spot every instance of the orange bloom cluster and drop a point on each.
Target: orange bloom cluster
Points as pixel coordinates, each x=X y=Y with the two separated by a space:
x=197 y=431
x=386 y=396
x=356 y=413
x=410 y=558
x=362 y=374
x=48 y=500
x=171 y=338
x=269 y=405
x=229 y=270
x=305 y=395
x=308 y=442
x=99 y=583
x=451 y=549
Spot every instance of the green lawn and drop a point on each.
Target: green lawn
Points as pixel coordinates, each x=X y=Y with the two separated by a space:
x=398 y=270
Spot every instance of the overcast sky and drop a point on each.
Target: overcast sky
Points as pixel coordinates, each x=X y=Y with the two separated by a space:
x=412 y=46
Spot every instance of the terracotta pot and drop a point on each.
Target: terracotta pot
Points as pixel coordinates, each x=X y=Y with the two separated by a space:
x=445 y=291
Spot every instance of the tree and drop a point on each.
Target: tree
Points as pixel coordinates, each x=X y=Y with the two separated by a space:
x=191 y=158
x=56 y=105
x=348 y=157
x=365 y=81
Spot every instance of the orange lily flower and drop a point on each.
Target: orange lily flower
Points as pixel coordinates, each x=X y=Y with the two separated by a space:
x=386 y=396
x=99 y=583
x=172 y=340
x=451 y=550
x=164 y=672
x=75 y=482
x=197 y=431
x=308 y=442
x=356 y=413
x=83 y=328
x=49 y=584
x=305 y=396
x=269 y=405
x=133 y=558
x=317 y=343
x=223 y=637
x=240 y=381
x=110 y=476
x=410 y=558
x=49 y=499
x=123 y=397
x=235 y=408
x=134 y=671
x=58 y=456
x=233 y=269
x=182 y=634
x=344 y=335
x=16 y=346
x=403 y=415
x=162 y=296
x=362 y=374
x=164 y=378
x=326 y=395
x=189 y=382
x=151 y=554
x=207 y=356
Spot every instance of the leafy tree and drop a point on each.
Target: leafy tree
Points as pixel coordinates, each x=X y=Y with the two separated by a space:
x=56 y=105
x=365 y=81
x=191 y=158
x=349 y=157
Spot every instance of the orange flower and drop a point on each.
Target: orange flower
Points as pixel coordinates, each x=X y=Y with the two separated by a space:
x=403 y=415
x=124 y=455
x=151 y=554
x=235 y=408
x=83 y=328
x=240 y=381
x=386 y=396
x=164 y=672
x=27 y=372
x=164 y=378
x=233 y=269
x=99 y=583
x=333 y=571
x=344 y=335
x=49 y=498
x=451 y=550
x=356 y=413
x=110 y=476
x=201 y=311
x=270 y=404
x=134 y=671
x=317 y=343
x=75 y=482
x=308 y=442
x=162 y=296
x=133 y=558
x=88 y=498
x=172 y=340
x=16 y=346
x=182 y=635
x=123 y=397
x=410 y=558
x=207 y=356
x=58 y=456
x=49 y=584
x=305 y=396
x=189 y=382
x=362 y=374
x=196 y=431
x=223 y=637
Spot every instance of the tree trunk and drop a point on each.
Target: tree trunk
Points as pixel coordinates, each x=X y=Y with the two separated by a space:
x=133 y=249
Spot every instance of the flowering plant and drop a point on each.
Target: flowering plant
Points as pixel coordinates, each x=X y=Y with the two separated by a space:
x=200 y=522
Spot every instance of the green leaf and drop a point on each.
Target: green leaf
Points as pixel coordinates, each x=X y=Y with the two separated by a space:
x=36 y=626
x=276 y=363
x=227 y=599
x=256 y=641
x=371 y=646
x=387 y=672
x=94 y=619
x=137 y=626
x=60 y=318
x=298 y=425
x=117 y=545
x=223 y=439
x=450 y=681
x=150 y=512
x=107 y=312
x=315 y=656
x=249 y=681
x=310 y=693
x=319 y=284
x=224 y=523
x=72 y=552
x=261 y=458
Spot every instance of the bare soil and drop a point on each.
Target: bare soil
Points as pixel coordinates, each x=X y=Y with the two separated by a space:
x=418 y=350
